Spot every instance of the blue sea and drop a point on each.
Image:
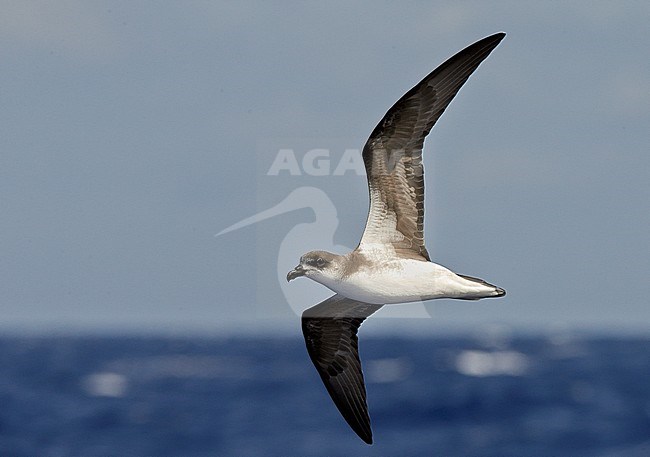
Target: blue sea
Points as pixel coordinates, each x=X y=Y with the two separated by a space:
x=247 y=396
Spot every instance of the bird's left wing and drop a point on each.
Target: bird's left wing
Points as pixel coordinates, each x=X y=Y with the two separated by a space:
x=330 y=331
x=393 y=154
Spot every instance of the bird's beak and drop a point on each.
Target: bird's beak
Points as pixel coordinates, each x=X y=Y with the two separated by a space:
x=296 y=272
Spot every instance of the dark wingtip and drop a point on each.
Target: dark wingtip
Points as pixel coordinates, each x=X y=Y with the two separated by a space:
x=363 y=430
x=496 y=38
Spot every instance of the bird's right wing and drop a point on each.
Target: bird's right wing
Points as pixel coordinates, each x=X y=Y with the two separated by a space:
x=330 y=331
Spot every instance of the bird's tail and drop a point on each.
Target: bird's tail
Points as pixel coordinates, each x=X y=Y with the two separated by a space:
x=496 y=291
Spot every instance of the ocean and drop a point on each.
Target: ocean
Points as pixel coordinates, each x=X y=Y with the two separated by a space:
x=260 y=396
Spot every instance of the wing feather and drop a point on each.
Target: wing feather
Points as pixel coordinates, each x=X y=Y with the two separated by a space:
x=330 y=331
x=393 y=154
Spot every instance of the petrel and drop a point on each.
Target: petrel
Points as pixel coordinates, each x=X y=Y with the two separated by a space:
x=391 y=264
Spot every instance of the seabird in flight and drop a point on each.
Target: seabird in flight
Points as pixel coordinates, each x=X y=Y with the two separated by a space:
x=391 y=264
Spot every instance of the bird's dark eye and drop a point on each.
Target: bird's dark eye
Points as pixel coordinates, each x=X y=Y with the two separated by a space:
x=320 y=262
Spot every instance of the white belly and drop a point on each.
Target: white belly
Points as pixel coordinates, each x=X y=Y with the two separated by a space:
x=405 y=280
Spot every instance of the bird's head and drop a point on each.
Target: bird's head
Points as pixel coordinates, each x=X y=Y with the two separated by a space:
x=315 y=265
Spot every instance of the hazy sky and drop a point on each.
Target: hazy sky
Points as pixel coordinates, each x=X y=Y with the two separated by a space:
x=132 y=132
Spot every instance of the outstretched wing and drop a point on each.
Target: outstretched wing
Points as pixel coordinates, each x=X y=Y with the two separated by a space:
x=330 y=331
x=393 y=153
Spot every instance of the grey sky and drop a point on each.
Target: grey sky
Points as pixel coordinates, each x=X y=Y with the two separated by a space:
x=132 y=132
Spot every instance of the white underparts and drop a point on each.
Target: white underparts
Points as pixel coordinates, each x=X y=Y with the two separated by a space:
x=406 y=280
